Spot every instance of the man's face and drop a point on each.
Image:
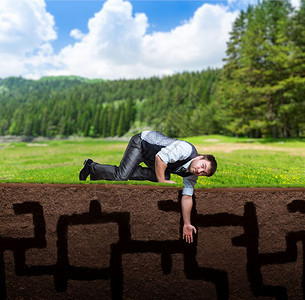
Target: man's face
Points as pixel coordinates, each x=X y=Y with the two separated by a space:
x=200 y=167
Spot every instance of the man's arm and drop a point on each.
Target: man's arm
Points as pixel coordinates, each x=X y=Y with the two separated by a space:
x=160 y=168
x=178 y=150
x=188 y=228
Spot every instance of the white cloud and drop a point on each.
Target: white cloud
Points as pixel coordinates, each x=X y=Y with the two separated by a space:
x=77 y=34
x=112 y=43
x=197 y=44
x=26 y=29
x=117 y=44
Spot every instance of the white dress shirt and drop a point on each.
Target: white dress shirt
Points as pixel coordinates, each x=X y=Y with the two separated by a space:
x=178 y=150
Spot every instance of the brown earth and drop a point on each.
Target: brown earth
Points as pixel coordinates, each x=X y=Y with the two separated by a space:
x=124 y=242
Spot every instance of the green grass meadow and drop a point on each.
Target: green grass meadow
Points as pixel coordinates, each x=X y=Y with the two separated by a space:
x=242 y=162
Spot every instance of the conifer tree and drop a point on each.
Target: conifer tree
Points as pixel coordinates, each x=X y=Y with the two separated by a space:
x=122 y=122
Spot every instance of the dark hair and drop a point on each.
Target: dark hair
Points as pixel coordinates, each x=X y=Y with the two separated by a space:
x=213 y=161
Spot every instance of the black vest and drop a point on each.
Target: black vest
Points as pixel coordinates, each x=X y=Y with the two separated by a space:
x=149 y=151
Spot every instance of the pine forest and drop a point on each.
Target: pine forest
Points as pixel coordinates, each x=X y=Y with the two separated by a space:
x=259 y=91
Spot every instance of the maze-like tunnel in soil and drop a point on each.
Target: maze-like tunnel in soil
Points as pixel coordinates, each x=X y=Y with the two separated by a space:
x=102 y=241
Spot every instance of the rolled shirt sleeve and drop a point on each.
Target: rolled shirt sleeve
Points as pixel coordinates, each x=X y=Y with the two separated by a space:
x=178 y=150
x=189 y=183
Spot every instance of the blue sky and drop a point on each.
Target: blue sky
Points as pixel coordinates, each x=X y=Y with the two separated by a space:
x=114 y=39
x=162 y=15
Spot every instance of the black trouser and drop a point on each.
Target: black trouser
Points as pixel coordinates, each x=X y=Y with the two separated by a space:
x=129 y=167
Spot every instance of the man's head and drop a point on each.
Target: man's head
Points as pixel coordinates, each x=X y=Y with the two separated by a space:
x=203 y=165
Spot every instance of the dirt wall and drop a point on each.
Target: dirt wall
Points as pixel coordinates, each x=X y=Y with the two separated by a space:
x=124 y=242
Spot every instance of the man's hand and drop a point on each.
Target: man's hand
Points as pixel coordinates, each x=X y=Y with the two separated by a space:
x=169 y=181
x=188 y=228
x=188 y=233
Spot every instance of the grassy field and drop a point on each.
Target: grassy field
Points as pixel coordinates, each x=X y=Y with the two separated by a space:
x=242 y=162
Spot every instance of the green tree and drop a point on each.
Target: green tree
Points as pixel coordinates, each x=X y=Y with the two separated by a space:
x=256 y=83
x=122 y=121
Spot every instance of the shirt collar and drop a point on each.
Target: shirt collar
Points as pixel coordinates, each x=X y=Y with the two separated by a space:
x=187 y=164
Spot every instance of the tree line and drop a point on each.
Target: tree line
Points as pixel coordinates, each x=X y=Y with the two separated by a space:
x=259 y=91
x=64 y=106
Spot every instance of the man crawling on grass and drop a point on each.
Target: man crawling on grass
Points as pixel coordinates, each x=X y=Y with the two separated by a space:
x=163 y=156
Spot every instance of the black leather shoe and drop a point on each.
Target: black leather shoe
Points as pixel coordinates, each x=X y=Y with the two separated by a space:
x=85 y=171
